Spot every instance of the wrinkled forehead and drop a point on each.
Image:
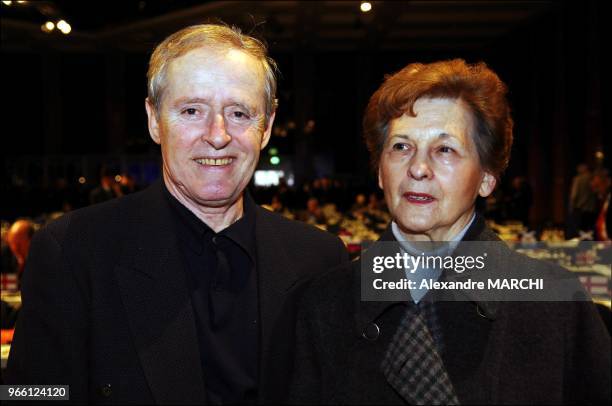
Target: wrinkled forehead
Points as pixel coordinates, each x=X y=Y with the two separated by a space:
x=435 y=117
x=216 y=69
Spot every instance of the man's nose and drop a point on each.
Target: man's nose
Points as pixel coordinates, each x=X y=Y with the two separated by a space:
x=419 y=167
x=217 y=135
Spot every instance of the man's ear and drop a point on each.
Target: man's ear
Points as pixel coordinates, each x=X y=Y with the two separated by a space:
x=267 y=131
x=152 y=121
x=487 y=185
x=380 y=182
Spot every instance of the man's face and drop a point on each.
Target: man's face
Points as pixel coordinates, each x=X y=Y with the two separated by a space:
x=430 y=170
x=211 y=126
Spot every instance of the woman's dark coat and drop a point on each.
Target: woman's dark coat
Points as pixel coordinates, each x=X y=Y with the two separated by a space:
x=495 y=352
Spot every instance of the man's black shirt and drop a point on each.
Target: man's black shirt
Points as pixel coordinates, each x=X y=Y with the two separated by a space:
x=221 y=274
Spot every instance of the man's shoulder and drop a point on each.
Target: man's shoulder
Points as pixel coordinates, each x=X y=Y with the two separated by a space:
x=332 y=296
x=306 y=249
x=294 y=230
x=337 y=284
x=109 y=217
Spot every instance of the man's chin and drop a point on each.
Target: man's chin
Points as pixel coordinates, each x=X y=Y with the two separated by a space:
x=218 y=199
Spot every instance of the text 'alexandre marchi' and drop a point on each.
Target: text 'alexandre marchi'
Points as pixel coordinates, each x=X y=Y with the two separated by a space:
x=491 y=284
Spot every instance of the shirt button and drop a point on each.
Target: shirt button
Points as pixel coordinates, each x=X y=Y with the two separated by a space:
x=371 y=332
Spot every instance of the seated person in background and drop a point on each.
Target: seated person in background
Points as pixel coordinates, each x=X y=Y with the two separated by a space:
x=373 y=202
x=313 y=213
x=601 y=183
x=9 y=262
x=275 y=205
x=8 y=315
x=108 y=189
x=440 y=135
x=127 y=184
x=18 y=239
x=359 y=205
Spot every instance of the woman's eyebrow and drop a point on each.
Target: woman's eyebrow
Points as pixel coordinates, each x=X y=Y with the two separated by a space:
x=443 y=135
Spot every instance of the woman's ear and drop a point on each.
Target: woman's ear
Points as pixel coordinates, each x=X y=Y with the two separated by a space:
x=487 y=185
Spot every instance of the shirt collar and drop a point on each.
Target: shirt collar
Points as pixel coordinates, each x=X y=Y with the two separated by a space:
x=476 y=230
x=458 y=237
x=242 y=232
x=192 y=230
x=446 y=248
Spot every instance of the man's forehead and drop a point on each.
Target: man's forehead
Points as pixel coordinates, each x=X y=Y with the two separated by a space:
x=212 y=57
x=206 y=71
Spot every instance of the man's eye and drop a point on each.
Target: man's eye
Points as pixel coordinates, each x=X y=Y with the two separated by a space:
x=190 y=111
x=240 y=114
x=445 y=150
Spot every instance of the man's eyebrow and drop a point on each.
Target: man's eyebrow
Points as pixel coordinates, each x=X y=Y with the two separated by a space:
x=250 y=109
x=183 y=100
x=188 y=100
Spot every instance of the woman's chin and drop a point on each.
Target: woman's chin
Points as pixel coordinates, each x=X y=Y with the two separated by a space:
x=414 y=227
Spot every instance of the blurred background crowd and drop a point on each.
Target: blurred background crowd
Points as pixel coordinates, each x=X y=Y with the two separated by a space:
x=356 y=213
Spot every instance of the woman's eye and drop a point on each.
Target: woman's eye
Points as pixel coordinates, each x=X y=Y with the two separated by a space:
x=400 y=146
x=444 y=149
x=190 y=111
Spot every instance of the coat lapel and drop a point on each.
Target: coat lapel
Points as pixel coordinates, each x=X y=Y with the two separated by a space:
x=471 y=366
x=152 y=282
x=276 y=277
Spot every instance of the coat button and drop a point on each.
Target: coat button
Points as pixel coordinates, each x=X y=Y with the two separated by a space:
x=371 y=332
x=481 y=312
x=106 y=390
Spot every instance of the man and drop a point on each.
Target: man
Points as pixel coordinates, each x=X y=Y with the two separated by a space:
x=601 y=186
x=107 y=190
x=185 y=292
x=583 y=203
x=18 y=239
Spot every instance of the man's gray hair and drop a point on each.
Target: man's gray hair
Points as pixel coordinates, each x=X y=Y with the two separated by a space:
x=209 y=36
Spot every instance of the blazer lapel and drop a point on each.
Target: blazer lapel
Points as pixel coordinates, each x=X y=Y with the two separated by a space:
x=276 y=276
x=152 y=282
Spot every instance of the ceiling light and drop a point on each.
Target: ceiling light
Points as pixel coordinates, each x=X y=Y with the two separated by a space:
x=64 y=27
x=7 y=3
x=47 y=27
x=365 y=6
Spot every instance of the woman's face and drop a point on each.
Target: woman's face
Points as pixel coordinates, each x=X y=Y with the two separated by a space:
x=430 y=170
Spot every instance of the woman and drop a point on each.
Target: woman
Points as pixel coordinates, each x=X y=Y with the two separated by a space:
x=440 y=136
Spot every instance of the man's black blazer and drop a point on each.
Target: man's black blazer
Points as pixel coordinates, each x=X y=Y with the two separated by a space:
x=107 y=311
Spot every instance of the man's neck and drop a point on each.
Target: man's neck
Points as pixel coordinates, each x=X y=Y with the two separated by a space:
x=217 y=218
